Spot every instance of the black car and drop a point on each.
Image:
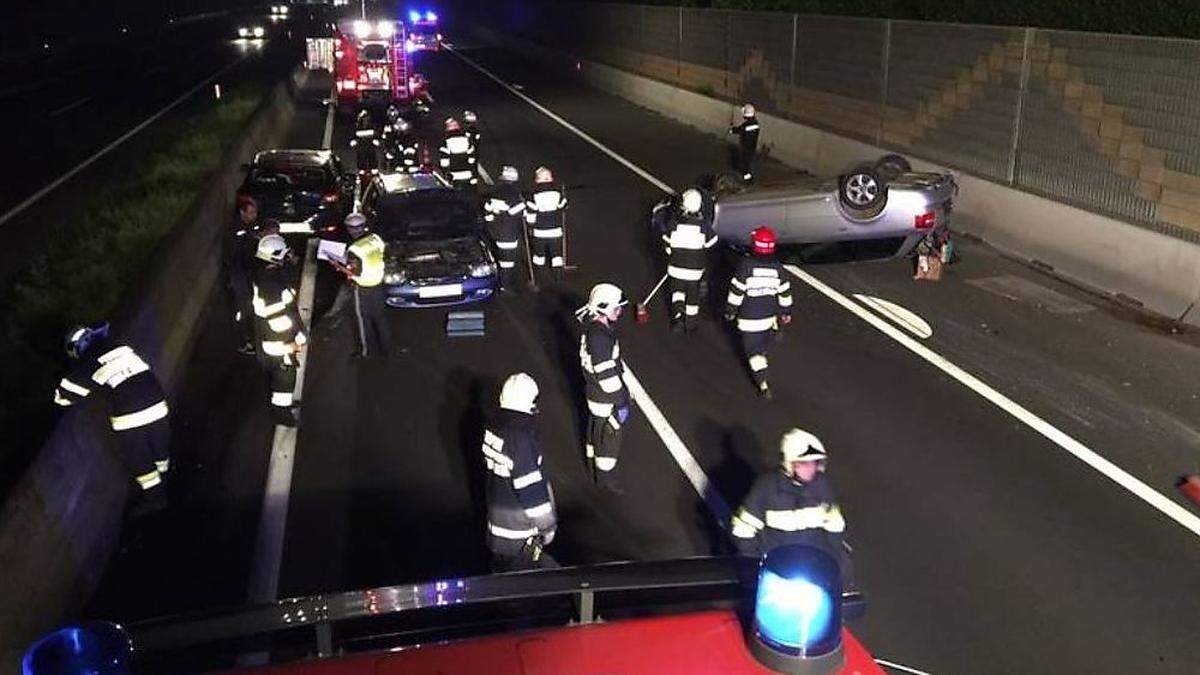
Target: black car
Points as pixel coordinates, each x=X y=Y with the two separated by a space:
x=307 y=191
x=437 y=252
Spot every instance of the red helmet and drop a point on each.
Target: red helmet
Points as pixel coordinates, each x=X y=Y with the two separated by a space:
x=762 y=240
x=452 y=124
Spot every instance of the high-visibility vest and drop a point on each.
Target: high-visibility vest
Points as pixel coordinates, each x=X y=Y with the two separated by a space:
x=369 y=250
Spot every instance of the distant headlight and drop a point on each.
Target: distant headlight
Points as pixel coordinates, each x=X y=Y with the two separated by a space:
x=483 y=270
x=259 y=32
x=243 y=32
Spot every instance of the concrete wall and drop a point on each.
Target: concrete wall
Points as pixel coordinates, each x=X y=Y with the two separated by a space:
x=60 y=525
x=1107 y=255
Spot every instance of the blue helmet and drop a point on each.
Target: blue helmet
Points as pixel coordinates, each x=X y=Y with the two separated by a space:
x=80 y=338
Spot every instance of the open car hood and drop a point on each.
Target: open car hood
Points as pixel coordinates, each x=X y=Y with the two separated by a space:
x=435 y=258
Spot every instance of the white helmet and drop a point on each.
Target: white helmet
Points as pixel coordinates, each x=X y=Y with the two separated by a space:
x=800 y=446
x=605 y=299
x=272 y=248
x=469 y=116
x=355 y=221
x=519 y=393
x=748 y=110
x=510 y=174
x=543 y=175
x=402 y=125
x=691 y=201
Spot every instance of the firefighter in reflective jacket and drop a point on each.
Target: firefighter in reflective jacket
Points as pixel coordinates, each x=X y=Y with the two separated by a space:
x=280 y=329
x=364 y=266
x=457 y=156
x=689 y=236
x=520 y=503
x=504 y=212
x=471 y=128
x=760 y=299
x=794 y=505
x=544 y=215
x=138 y=409
x=603 y=373
x=366 y=145
x=747 y=132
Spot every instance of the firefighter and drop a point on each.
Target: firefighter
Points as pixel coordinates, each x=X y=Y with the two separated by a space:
x=364 y=267
x=747 y=132
x=760 y=299
x=367 y=146
x=545 y=218
x=237 y=260
x=471 y=127
x=406 y=145
x=603 y=373
x=505 y=216
x=138 y=408
x=794 y=505
x=280 y=329
x=387 y=139
x=687 y=241
x=421 y=98
x=520 y=513
x=457 y=156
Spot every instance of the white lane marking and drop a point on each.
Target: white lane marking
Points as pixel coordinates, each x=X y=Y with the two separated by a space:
x=905 y=318
x=1085 y=454
x=37 y=196
x=1121 y=477
x=896 y=666
x=683 y=457
x=327 y=138
x=70 y=106
x=570 y=127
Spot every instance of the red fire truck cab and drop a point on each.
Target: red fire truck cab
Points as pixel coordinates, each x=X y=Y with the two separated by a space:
x=370 y=63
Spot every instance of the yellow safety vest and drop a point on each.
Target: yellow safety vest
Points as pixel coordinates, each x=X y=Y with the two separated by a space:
x=369 y=250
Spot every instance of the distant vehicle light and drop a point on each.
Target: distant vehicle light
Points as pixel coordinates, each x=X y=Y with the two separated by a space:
x=430 y=16
x=414 y=17
x=385 y=29
x=259 y=32
x=797 y=609
x=244 y=32
x=362 y=29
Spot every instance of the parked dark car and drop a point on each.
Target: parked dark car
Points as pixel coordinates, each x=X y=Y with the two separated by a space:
x=307 y=191
x=437 y=252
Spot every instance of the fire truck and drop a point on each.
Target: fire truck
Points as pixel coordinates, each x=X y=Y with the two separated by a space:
x=368 y=60
x=664 y=616
x=423 y=33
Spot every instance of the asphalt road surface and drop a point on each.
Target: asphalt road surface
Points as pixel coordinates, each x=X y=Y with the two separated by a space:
x=983 y=546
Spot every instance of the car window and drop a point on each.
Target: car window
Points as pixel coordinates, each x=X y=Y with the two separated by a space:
x=309 y=179
x=373 y=53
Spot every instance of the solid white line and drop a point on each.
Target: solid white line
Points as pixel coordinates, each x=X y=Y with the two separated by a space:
x=1111 y=471
x=897 y=666
x=70 y=106
x=35 y=197
x=683 y=457
x=1085 y=454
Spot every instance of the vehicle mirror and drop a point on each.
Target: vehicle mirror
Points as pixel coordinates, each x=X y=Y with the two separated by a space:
x=854 y=605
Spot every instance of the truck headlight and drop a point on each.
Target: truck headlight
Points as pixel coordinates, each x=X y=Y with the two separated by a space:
x=481 y=270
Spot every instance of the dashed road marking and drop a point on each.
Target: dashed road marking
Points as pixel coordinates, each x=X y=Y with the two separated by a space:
x=1055 y=435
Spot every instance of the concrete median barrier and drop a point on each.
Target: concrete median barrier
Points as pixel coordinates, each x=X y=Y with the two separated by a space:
x=1106 y=255
x=61 y=523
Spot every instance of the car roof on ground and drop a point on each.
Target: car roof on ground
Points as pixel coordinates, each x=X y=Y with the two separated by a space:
x=292 y=158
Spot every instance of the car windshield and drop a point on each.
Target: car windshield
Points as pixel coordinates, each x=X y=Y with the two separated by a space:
x=442 y=215
x=373 y=53
x=305 y=178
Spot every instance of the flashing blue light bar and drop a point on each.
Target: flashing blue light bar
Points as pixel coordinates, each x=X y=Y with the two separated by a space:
x=797 y=609
x=95 y=647
x=430 y=17
x=414 y=16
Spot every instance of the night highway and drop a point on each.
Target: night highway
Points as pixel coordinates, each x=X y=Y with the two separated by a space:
x=985 y=535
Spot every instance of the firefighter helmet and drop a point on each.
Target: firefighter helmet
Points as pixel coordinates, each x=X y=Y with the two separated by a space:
x=748 y=110
x=272 y=248
x=509 y=174
x=393 y=113
x=519 y=393
x=469 y=116
x=800 y=446
x=452 y=124
x=402 y=125
x=246 y=200
x=355 y=221
x=762 y=240
x=543 y=175
x=691 y=200
x=605 y=299
x=80 y=338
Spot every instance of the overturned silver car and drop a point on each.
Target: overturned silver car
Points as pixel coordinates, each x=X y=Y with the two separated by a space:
x=885 y=203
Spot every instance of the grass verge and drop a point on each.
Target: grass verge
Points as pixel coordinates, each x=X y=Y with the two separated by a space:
x=91 y=263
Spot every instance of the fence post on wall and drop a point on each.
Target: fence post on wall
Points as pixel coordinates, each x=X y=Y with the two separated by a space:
x=886 y=58
x=728 y=35
x=1016 y=134
x=679 y=49
x=792 y=73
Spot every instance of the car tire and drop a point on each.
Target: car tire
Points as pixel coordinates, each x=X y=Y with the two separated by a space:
x=862 y=191
x=891 y=166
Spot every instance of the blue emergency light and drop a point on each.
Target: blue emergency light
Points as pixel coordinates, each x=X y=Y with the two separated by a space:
x=797 y=612
x=94 y=648
x=414 y=16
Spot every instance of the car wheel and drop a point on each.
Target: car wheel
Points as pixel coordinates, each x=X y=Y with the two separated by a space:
x=891 y=166
x=862 y=190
